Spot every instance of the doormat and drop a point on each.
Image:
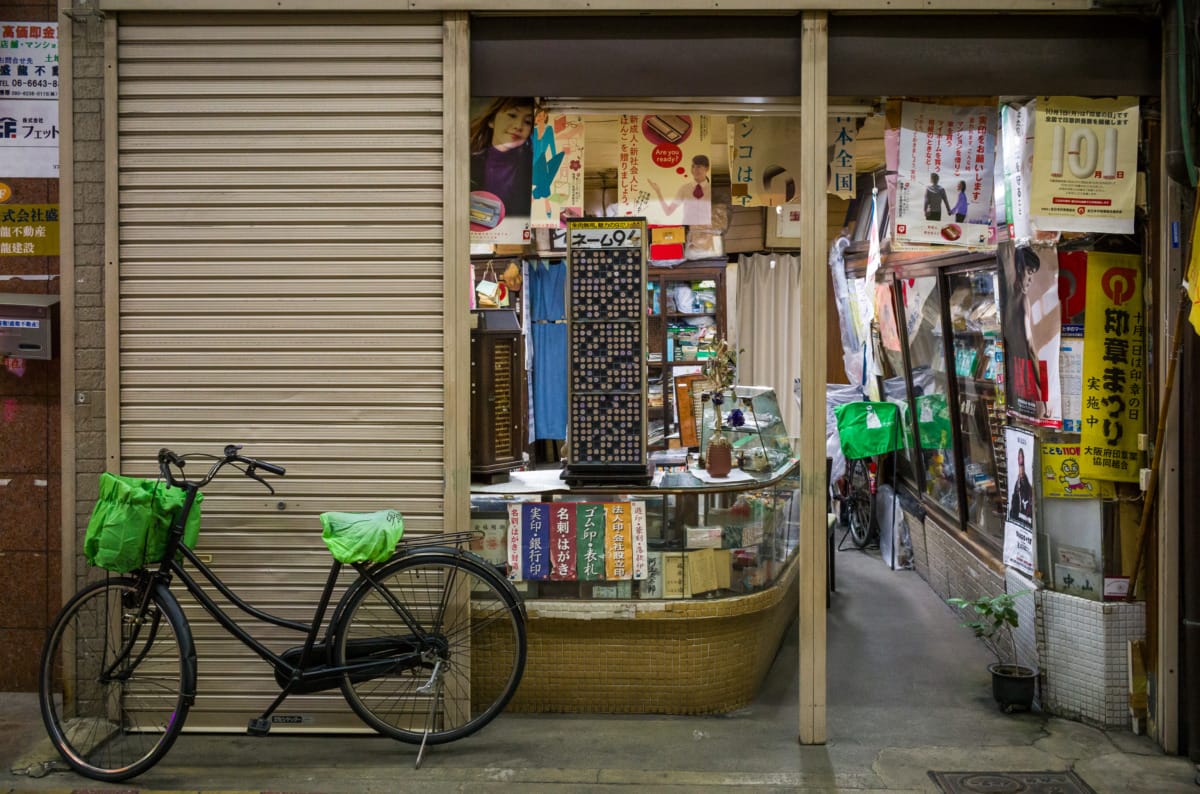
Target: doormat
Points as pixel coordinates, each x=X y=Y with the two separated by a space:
x=1011 y=783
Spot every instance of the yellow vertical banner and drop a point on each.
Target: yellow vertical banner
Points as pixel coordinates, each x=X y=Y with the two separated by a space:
x=1114 y=361
x=618 y=541
x=1193 y=274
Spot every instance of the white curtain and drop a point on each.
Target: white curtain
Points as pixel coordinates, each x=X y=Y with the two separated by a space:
x=768 y=328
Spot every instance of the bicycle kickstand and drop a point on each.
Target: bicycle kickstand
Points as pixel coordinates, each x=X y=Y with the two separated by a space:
x=434 y=686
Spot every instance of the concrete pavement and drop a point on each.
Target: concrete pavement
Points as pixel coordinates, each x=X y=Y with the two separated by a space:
x=908 y=693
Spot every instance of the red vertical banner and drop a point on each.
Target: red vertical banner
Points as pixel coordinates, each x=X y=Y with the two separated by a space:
x=562 y=542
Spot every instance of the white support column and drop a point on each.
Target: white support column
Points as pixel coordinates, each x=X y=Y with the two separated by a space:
x=814 y=103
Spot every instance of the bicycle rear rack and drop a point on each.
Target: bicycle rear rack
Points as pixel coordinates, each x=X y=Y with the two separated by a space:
x=457 y=539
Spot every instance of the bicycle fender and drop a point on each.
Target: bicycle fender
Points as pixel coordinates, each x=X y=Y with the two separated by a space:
x=170 y=605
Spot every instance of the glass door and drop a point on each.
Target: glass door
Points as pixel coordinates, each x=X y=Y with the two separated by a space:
x=977 y=360
x=922 y=316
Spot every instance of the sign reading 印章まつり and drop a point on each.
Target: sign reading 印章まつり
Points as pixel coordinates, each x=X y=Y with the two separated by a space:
x=1114 y=361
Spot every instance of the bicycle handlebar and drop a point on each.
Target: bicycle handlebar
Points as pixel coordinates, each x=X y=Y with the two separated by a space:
x=168 y=458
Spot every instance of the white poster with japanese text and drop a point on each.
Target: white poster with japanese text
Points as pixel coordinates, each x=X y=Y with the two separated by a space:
x=558 y=150
x=28 y=60
x=843 y=132
x=764 y=161
x=1019 y=532
x=663 y=169
x=944 y=185
x=29 y=138
x=1085 y=172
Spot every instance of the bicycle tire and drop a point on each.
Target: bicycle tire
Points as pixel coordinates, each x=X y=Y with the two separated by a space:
x=860 y=504
x=480 y=642
x=117 y=729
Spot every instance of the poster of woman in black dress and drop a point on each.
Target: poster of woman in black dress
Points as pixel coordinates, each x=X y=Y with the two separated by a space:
x=1032 y=329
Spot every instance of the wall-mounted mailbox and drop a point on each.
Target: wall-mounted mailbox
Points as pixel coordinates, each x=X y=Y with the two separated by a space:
x=28 y=325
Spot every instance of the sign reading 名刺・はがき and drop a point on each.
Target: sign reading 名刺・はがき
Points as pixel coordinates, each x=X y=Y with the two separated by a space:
x=562 y=542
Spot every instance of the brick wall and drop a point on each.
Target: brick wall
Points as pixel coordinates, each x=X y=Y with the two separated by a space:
x=30 y=450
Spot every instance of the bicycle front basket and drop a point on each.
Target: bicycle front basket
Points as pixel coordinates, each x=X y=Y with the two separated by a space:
x=868 y=428
x=129 y=524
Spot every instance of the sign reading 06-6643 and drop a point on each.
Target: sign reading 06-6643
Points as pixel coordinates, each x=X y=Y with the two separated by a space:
x=1114 y=359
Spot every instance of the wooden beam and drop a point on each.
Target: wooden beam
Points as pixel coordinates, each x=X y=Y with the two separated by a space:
x=814 y=101
x=455 y=313
x=112 y=256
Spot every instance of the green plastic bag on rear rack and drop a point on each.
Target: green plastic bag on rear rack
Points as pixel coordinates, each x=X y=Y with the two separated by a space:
x=130 y=522
x=362 y=537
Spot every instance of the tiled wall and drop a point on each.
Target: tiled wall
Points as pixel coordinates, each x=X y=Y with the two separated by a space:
x=30 y=492
x=1082 y=644
x=30 y=448
x=653 y=657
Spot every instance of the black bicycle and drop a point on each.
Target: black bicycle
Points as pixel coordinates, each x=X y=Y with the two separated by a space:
x=857 y=495
x=427 y=647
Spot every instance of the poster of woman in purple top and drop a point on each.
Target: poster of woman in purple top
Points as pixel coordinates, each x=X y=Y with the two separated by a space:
x=501 y=170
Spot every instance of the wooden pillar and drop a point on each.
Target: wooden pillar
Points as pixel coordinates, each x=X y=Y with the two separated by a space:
x=814 y=104
x=456 y=315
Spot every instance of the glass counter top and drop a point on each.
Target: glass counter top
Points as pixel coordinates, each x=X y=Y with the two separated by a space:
x=549 y=481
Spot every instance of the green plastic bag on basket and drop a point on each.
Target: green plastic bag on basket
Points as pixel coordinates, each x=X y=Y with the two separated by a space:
x=868 y=428
x=130 y=522
x=362 y=537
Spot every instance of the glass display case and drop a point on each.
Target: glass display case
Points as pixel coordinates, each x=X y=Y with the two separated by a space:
x=759 y=438
x=699 y=539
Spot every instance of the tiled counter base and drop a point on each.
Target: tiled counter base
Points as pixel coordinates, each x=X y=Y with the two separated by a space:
x=654 y=657
x=1082 y=647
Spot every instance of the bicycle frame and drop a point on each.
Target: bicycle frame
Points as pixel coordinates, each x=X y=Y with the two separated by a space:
x=305 y=675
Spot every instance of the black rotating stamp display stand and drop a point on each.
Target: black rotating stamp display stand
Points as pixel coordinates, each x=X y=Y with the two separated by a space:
x=606 y=370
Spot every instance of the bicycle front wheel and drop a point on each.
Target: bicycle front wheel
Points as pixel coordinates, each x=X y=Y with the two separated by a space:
x=111 y=686
x=860 y=505
x=447 y=638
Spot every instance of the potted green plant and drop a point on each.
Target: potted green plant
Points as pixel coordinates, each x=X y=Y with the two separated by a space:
x=1013 y=684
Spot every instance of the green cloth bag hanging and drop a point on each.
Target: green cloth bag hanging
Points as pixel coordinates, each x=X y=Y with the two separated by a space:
x=933 y=421
x=131 y=520
x=362 y=537
x=868 y=428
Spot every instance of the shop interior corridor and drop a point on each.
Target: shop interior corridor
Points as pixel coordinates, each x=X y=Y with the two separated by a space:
x=908 y=693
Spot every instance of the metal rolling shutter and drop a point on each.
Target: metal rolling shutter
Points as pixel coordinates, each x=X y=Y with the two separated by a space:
x=280 y=243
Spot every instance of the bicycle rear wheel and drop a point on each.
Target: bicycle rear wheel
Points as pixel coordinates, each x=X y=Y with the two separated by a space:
x=860 y=504
x=455 y=641
x=111 y=689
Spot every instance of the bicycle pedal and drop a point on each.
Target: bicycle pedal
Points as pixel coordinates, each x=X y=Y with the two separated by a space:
x=258 y=727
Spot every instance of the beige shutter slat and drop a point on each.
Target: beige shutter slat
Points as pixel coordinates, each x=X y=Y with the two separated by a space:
x=281 y=281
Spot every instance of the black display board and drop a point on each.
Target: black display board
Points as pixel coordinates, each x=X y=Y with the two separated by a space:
x=606 y=378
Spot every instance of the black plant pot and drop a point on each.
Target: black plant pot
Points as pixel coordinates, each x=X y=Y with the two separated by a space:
x=1013 y=686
